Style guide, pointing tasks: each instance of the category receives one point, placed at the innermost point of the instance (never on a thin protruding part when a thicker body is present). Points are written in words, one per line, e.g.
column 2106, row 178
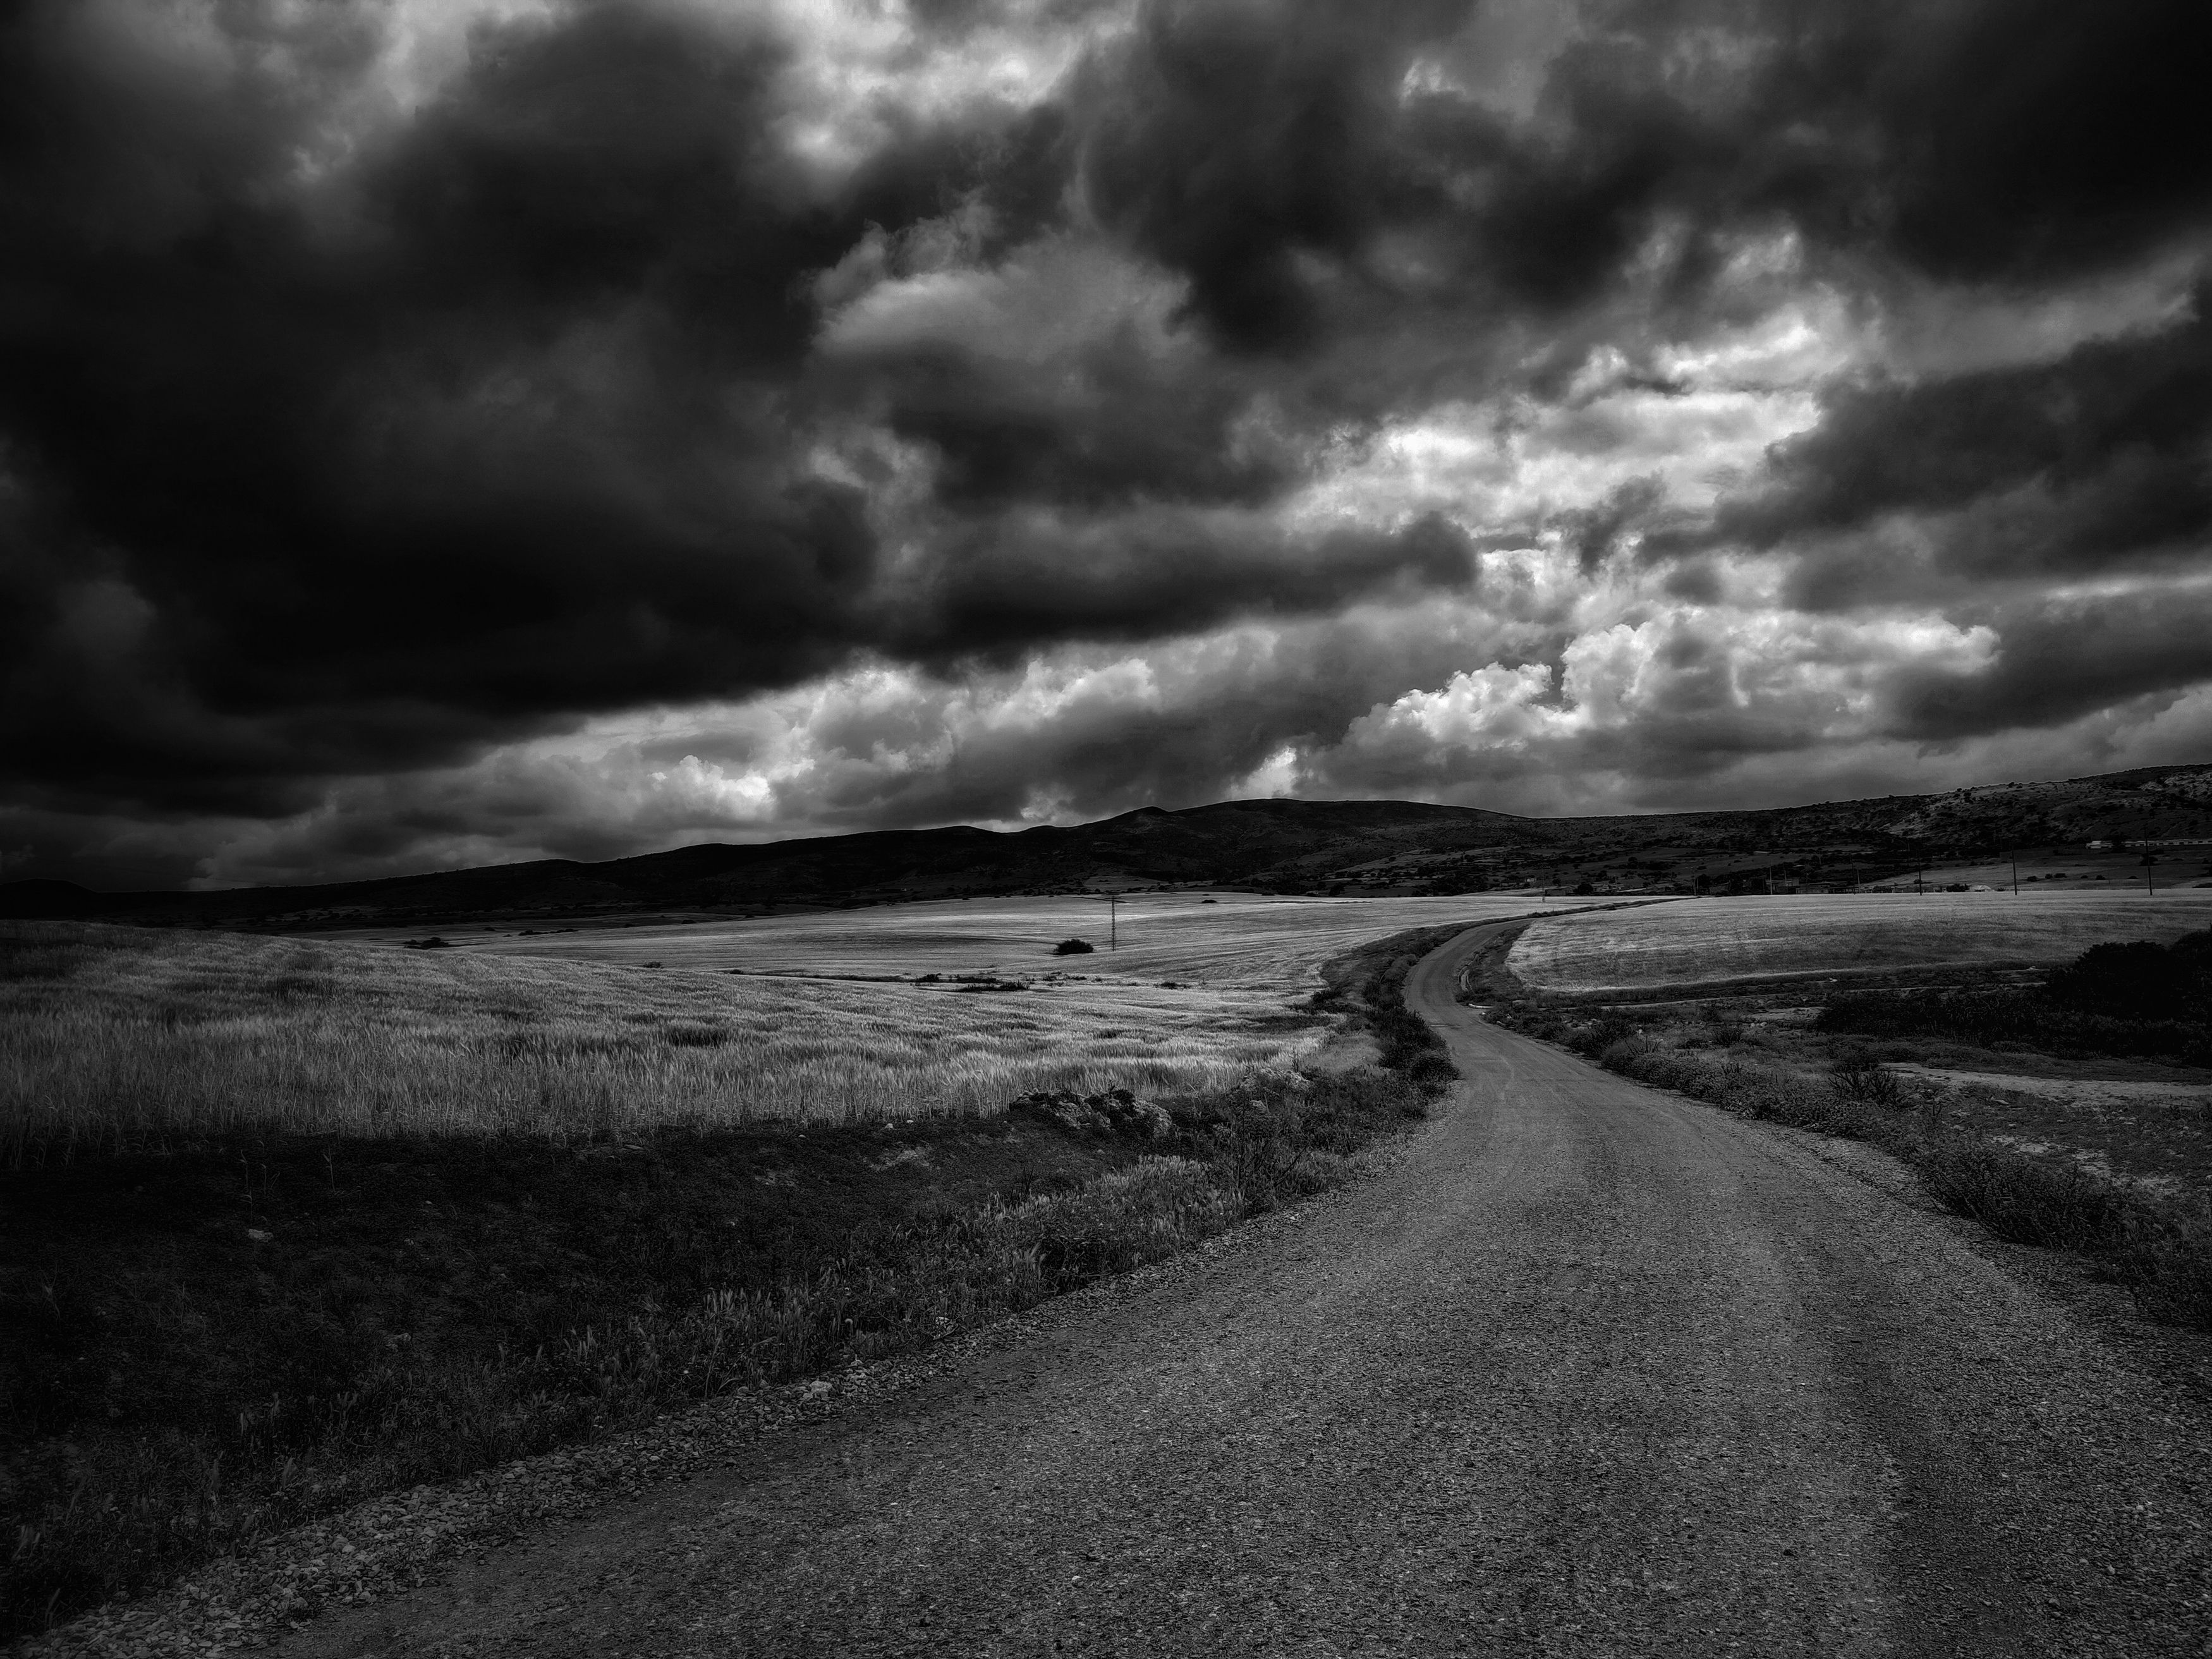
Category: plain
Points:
column 1694, row 942
column 287, row 1223
column 112, row 1034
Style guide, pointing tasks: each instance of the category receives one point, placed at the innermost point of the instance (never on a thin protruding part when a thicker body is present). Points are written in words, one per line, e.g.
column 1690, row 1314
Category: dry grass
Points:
column 108, row 1034
column 1241, row 941
column 210, row 1338
column 1700, row 941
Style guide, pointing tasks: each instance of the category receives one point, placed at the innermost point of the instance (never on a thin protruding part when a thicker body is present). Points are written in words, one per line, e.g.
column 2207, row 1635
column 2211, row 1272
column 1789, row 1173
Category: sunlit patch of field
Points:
column 1705, row 940
column 108, row 1032
column 1241, row 941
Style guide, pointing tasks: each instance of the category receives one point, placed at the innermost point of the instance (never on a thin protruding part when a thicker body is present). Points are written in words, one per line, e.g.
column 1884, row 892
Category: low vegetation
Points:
column 2134, row 999
column 215, row 1328
column 114, row 1035
column 1229, row 943
column 1709, row 941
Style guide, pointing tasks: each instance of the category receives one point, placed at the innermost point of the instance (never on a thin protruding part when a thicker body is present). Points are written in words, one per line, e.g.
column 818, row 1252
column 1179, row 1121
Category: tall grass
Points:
column 292, row 1387
column 110, row 1034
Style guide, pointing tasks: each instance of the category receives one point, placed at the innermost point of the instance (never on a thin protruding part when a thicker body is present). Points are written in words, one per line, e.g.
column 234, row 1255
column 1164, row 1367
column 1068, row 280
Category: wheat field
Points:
column 1242, row 941
column 1691, row 941
column 113, row 1033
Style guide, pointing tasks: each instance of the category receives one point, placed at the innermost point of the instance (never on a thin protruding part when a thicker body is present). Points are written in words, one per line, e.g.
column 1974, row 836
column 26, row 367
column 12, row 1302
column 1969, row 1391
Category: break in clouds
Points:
column 435, row 433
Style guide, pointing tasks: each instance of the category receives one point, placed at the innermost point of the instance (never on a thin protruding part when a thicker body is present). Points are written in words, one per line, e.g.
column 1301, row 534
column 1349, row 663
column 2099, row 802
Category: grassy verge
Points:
column 2160, row 1247
column 208, row 1339
column 1364, row 990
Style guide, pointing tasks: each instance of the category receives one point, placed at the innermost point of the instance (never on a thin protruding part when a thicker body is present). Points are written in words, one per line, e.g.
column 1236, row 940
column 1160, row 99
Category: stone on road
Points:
column 1588, row 1369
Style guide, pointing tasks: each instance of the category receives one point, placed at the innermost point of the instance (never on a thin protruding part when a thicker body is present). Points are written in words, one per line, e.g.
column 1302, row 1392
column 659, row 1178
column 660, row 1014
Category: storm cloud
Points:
column 435, row 433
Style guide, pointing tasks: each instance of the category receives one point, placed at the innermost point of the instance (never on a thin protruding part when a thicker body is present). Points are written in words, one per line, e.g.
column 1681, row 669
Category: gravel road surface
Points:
column 1590, row 1368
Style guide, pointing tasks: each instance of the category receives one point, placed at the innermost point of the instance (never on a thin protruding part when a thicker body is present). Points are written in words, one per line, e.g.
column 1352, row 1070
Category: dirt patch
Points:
column 2155, row 1135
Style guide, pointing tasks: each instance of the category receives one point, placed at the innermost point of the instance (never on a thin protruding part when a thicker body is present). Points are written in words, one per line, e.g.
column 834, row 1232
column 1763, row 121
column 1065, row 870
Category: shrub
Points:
column 2165, row 1257
column 2022, row 1199
column 1074, row 947
column 1984, row 1019
column 1623, row 1052
column 2138, row 981
column 1721, row 1030
column 2133, row 999
column 1859, row 1078
column 1601, row 1034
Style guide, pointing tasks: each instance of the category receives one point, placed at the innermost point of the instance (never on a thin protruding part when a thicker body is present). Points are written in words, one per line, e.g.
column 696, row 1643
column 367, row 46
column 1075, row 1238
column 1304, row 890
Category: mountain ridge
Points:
column 1272, row 844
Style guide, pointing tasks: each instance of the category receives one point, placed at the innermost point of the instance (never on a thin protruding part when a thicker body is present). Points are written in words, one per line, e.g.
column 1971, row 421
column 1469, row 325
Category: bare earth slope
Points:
column 1592, row 1370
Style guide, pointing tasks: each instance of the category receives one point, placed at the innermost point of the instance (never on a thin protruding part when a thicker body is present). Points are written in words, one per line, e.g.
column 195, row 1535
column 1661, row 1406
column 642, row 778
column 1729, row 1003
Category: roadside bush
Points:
column 1619, row 1055
column 2166, row 1259
column 1598, row 1035
column 2024, row 1200
column 1860, row 1078
column 1367, row 988
column 2136, row 982
column 1074, row 947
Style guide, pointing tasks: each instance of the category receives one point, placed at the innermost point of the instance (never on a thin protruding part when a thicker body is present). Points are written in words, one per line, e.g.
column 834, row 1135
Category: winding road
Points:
column 1588, row 1369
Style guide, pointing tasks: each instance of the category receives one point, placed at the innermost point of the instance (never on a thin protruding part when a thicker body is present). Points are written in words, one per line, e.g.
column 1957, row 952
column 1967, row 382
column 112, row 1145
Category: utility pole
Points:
column 1113, row 916
column 2014, row 854
column 2150, row 880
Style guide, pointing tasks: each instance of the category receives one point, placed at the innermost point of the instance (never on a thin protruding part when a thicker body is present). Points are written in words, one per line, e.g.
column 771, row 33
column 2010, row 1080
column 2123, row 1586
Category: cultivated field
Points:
column 1695, row 941
column 107, row 1032
column 1241, row 941
column 112, row 1033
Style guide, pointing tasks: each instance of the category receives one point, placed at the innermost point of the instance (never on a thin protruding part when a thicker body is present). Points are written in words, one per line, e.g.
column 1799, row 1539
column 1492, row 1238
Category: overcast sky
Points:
column 436, row 433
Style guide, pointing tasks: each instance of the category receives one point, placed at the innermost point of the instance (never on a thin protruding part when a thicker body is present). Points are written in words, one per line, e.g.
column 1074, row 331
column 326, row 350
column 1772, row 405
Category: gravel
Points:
column 1585, row 1368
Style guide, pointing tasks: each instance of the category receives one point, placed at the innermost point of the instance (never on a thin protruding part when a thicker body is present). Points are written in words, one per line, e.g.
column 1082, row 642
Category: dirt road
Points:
column 1593, row 1369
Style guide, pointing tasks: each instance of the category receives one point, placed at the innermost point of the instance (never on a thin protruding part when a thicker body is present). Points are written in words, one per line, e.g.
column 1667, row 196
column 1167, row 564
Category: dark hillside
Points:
column 1293, row 846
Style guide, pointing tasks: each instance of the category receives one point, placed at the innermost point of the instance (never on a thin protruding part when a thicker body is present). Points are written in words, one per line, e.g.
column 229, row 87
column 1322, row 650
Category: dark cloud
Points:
column 2037, row 137
column 1106, row 426
column 1596, row 532
column 2097, row 461
column 2004, row 142
column 2061, row 658
column 491, row 435
column 1150, row 574
column 1274, row 154
column 342, row 436
column 1229, row 141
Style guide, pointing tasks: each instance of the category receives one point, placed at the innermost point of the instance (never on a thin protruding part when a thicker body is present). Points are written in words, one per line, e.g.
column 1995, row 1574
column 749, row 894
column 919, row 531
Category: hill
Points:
column 1282, row 846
